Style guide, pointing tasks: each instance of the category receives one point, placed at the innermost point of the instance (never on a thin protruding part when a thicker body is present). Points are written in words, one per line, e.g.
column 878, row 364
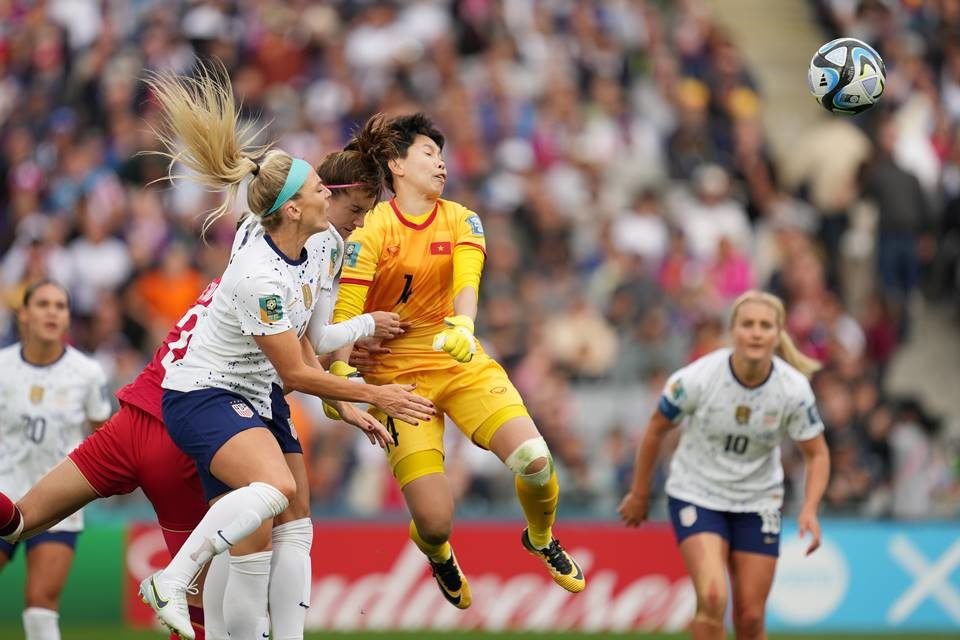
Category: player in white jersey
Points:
column 354, row 179
column 223, row 402
column 50, row 395
column 725, row 486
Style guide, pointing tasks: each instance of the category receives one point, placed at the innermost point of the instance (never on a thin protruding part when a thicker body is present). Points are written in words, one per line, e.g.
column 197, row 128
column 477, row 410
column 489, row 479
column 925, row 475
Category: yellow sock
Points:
column 436, row 552
column 539, row 507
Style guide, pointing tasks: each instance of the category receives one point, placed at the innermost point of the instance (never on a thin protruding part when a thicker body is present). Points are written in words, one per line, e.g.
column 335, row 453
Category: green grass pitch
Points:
column 119, row 633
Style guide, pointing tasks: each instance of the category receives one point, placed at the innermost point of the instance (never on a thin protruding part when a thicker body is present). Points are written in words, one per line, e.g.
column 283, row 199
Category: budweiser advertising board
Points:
column 370, row 576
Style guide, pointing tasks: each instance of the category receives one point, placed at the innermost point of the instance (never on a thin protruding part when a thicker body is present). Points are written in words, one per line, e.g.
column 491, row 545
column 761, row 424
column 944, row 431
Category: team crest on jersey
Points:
column 742, row 414
column 476, row 227
column 242, row 409
column 676, row 391
column 351, row 251
column 271, row 308
column 333, row 260
column 688, row 515
column 36, row 394
column 770, row 417
column 307, row 295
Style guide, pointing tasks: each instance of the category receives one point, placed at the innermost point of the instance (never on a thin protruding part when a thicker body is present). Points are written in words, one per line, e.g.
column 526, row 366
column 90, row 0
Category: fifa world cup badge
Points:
column 351, row 251
column 36, row 394
column 307, row 295
column 676, row 390
column 271, row 309
column 742, row 414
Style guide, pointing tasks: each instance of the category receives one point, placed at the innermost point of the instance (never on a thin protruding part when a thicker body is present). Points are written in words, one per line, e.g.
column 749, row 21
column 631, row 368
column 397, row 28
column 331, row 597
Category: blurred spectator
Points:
column 711, row 214
column 166, row 291
column 903, row 221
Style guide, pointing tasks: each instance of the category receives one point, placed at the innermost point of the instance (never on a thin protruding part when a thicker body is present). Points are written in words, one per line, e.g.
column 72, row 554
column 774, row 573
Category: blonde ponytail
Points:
column 201, row 130
column 796, row 358
column 788, row 349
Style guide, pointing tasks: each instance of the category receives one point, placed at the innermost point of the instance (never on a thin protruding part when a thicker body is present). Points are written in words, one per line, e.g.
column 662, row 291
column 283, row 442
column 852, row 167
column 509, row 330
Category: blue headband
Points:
column 299, row 170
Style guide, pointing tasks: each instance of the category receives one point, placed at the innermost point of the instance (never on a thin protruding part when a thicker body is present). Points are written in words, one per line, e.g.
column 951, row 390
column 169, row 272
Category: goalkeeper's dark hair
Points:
column 359, row 161
column 396, row 137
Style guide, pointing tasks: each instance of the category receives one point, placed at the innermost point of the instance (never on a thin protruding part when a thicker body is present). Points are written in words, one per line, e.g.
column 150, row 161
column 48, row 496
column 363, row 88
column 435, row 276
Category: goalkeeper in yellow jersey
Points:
column 421, row 257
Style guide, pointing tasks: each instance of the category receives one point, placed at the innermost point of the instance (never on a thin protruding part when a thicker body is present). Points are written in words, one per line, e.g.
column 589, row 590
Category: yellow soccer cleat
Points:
column 453, row 584
column 562, row 567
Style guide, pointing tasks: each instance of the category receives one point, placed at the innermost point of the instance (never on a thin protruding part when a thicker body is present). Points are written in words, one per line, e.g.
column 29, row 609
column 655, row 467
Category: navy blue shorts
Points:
column 200, row 422
column 68, row 538
column 747, row 531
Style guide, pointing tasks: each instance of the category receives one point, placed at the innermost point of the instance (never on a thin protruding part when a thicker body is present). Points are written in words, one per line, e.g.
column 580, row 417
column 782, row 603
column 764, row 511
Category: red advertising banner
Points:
column 370, row 576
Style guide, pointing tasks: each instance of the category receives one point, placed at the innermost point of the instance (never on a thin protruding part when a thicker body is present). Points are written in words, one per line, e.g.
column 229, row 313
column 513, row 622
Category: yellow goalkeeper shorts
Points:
column 477, row 395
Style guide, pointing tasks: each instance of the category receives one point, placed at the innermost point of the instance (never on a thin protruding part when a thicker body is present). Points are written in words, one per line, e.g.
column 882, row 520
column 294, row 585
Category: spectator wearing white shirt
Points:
column 642, row 230
column 712, row 214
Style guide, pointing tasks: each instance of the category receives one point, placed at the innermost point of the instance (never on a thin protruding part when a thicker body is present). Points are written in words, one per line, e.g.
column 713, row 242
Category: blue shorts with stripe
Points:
column 68, row 538
column 747, row 531
column 202, row 421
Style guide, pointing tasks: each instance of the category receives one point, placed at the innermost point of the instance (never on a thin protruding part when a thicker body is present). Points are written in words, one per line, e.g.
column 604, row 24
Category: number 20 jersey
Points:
column 728, row 458
column 43, row 415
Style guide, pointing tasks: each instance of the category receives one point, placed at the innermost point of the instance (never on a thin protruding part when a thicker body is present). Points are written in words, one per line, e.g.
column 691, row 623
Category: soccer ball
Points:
column 846, row 76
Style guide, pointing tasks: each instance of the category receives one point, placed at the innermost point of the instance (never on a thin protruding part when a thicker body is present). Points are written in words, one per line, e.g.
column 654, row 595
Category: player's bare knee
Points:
column 712, row 601
column 299, row 508
column 435, row 530
column 748, row 623
column 43, row 596
column 532, row 462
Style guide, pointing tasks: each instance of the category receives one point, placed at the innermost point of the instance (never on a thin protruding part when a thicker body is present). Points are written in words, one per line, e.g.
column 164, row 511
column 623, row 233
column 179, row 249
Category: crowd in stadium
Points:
column 616, row 154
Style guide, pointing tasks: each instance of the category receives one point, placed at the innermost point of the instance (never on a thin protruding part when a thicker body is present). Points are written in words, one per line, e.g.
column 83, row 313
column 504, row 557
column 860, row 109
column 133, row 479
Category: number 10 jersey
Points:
column 728, row 458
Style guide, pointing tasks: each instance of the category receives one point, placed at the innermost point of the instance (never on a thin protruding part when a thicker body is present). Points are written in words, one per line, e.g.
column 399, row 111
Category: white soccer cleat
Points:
column 169, row 601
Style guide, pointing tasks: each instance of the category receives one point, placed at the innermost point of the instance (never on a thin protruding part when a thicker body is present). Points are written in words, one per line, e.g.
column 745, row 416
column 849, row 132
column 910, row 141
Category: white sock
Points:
column 231, row 519
column 41, row 624
column 214, row 627
column 290, row 578
column 245, row 599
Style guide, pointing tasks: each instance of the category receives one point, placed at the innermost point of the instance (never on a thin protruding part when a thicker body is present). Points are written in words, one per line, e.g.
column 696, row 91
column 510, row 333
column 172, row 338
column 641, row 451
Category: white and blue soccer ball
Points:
column 846, row 76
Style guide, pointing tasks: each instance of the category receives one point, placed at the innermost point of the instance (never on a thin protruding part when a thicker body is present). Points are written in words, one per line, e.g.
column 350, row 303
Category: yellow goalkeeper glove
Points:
column 344, row 370
column 457, row 340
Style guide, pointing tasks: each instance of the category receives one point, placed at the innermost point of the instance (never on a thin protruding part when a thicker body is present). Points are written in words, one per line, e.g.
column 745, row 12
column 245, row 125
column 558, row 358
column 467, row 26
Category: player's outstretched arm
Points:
column 329, row 338
column 816, row 458
column 59, row 493
column 284, row 352
column 635, row 505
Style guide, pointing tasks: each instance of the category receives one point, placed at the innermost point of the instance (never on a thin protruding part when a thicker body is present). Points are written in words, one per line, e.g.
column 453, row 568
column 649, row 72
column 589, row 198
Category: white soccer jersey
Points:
column 43, row 415
column 328, row 243
column 728, row 458
column 324, row 336
column 262, row 292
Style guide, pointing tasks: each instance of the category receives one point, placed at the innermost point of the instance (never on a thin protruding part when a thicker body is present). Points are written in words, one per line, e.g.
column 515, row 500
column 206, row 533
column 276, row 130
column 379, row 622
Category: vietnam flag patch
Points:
column 439, row 248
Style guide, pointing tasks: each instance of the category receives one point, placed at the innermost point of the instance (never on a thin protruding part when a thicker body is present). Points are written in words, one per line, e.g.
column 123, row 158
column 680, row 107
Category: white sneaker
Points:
column 170, row 604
